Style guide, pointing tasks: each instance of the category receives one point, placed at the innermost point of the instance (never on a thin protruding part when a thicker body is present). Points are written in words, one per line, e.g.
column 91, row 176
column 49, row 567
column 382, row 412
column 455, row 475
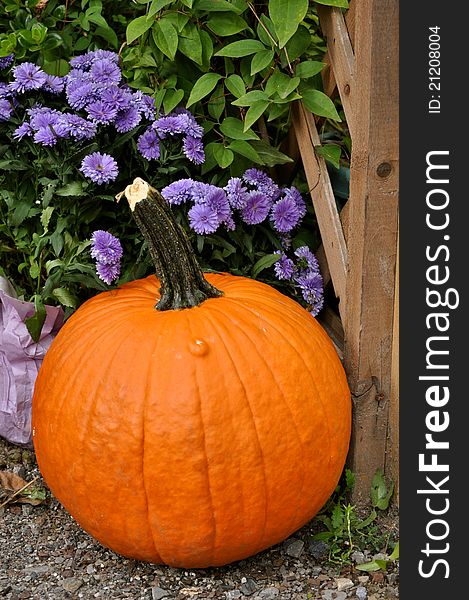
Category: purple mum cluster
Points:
column 96, row 97
column 254, row 196
column 106, row 249
column 304, row 273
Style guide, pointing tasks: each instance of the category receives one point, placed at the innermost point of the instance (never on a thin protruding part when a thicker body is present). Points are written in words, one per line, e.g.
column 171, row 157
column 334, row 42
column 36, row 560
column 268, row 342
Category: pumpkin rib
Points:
column 282, row 395
column 248, row 404
column 288, row 341
column 207, row 463
column 144, row 412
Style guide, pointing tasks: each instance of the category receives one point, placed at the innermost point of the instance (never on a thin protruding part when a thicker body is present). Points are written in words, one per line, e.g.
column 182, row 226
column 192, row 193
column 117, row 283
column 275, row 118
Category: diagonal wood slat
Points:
column 341, row 57
column 323, row 197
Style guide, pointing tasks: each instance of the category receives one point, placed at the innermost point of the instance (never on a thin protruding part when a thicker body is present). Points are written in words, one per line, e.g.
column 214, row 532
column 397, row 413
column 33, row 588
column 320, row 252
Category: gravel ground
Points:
column 45, row 555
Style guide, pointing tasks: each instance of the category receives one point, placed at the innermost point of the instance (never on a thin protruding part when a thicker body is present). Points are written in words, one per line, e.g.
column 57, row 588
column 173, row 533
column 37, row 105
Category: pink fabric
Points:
column 20, row 359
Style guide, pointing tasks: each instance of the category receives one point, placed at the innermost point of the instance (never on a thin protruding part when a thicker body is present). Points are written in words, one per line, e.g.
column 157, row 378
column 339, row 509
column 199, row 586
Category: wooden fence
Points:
column 359, row 251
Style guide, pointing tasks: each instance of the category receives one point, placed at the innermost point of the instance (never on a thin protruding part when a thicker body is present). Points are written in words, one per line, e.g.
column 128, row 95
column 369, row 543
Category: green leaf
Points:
column 319, row 104
column 156, row 6
column 74, row 188
column 266, row 31
column 241, row 48
column 337, row 517
column 379, row 493
column 261, row 60
column 270, row 155
column 171, row 99
column 45, row 217
column 166, row 37
column 65, row 297
column 234, row 128
column 338, row 3
column 298, row 44
column 223, row 156
column 286, row 16
column 331, row 153
column 395, row 553
column 219, row 6
column 254, row 112
column 137, row 28
column 264, row 263
column 369, row 567
column 207, row 47
column 34, row 324
column 245, row 149
column 289, row 87
column 202, row 87
column 224, row 24
column 308, row 68
column 251, row 98
column 216, row 104
column 235, row 85
column 190, row 44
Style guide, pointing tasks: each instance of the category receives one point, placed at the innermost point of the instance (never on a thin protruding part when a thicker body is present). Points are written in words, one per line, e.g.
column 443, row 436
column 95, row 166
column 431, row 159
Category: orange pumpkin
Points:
column 192, row 437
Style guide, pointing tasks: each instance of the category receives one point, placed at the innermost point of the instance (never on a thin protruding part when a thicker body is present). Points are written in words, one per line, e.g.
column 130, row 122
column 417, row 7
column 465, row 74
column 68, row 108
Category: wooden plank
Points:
column 392, row 451
column 341, row 57
column 321, row 255
column 372, row 235
column 322, row 196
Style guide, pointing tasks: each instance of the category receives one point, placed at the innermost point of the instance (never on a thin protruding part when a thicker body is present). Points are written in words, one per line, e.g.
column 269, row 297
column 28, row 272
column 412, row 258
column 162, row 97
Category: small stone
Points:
column 379, row 556
column 315, row 571
column 377, row 577
column 363, row 578
column 90, row 570
column 392, row 578
column 361, row 592
column 36, row 569
column 358, row 557
column 158, row 593
column 71, row 584
column 268, row 593
column 248, row 587
column 295, row 548
column 233, row 595
column 317, row 548
column 333, row 595
column 343, row 583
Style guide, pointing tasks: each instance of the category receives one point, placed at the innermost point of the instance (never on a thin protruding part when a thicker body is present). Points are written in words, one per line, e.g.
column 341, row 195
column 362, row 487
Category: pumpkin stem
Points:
column 182, row 281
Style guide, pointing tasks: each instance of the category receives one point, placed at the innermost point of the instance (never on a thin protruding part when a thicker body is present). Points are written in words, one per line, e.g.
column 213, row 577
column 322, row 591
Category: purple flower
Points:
column 203, row 219
column 149, row 145
column 307, row 260
column 311, row 286
column 79, row 94
column 293, row 194
column 105, row 247
column 285, row 214
column 216, row 199
column 108, row 273
column 200, row 190
column 236, row 192
column 145, row 104
column 104, row 71
column 27, row 76
column 115, row 97
column 6, row 61
column 79, row 128
column 82, row 62
column 101, row 112
column 42, row 117
column 5, row 91
column 6, row 109
column 22, row 131
column 178, row 191
column 104, row 55
column 170, row 125
column 193, row 148
column 54, row 84
column 262, row 182
column 284, row 267
column 127, row 119
column 45, row 136
column 189, row 124
column 100, row 168
column 256, row 209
